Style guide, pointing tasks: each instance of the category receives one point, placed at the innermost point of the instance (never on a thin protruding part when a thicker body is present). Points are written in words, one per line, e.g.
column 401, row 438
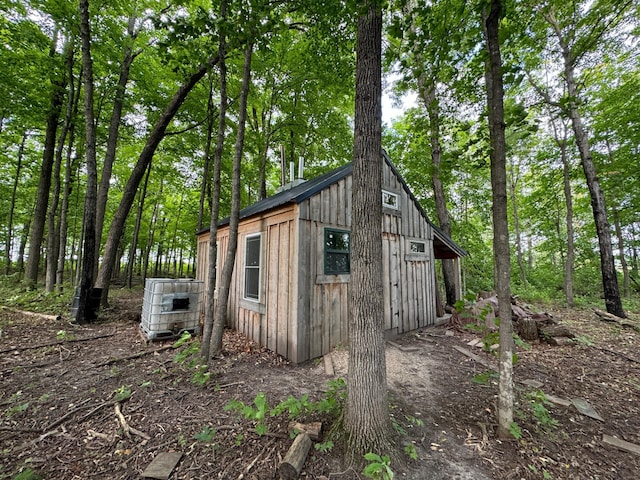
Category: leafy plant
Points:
column 206, row 435
column 411, row 451
column 515, row 430
column 62, row 335
column 122, row 393
column 293, row 406
column 324, row 447
column 485, row 378
column 201, row 375
column 28, row 474
column 11, row 411
column 257, row 413
column 538, row 402
column 379, row 467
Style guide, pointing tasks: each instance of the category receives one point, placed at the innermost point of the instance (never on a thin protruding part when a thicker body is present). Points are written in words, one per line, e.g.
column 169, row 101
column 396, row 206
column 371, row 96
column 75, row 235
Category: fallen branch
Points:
column 44, row 316
column 134, row 356
column 619, row 354
column 293, row 461
column 128, row 429
column 58, row 342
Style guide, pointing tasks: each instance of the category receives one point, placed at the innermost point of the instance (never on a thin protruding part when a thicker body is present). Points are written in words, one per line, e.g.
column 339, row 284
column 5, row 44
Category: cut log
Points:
column 293, row 461
column 528, row 329
column 312, row 429
column 556, row 331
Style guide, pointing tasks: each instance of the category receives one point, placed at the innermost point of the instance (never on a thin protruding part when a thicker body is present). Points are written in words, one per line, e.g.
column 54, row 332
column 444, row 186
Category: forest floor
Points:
column 60, row 385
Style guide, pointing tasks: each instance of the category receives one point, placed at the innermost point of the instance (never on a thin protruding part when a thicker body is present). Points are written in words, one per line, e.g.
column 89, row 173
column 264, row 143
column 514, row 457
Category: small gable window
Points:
column 417, row 247
column 336, row 252
column 390, row 200
column 252, row 267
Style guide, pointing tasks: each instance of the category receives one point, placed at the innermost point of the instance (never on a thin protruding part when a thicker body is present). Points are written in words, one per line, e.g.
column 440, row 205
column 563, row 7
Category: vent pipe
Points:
column 301, row 168
column 292, row 172
column 283, row 175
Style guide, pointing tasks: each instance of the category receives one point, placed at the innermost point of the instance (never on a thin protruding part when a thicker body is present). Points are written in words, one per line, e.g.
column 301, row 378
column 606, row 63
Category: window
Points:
column 252, row 267
column 336, row 252
column 390, row 200
column 417, row 247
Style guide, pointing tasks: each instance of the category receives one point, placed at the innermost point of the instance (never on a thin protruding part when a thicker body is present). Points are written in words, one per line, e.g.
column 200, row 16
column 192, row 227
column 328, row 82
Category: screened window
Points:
column 252, row 267
column 390, row 200
column 417, row 247
column 336, row 252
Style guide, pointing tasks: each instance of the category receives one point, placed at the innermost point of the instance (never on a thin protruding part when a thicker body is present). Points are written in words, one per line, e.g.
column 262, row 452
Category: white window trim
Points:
column 397, row 197
column 244, row 270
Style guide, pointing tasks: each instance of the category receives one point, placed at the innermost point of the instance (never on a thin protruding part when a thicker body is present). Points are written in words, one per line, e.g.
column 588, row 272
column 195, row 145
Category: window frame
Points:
column 388, row 205
column 247, row 239
column 326, row 250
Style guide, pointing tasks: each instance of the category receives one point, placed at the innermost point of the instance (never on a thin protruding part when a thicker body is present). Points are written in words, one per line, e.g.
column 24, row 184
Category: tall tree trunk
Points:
column 495, row 95
column 568, row 198
column 430, row 99
column 114, row 129
column 212, row 268
column 89, row 246
column 227, row 269
column 69, row 169
column 136, row 230
column 128, row 196
column 14, row 190
column 607, row 262
column 23, row 245
column 626, row 285
column 366, row 418
column 53, row 227
column 513, row 183
column 205, row 186
column 44, row 183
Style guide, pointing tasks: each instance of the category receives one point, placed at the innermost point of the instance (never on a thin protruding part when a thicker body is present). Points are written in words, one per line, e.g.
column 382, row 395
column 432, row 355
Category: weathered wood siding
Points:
column 272, row 320
column 303, row 313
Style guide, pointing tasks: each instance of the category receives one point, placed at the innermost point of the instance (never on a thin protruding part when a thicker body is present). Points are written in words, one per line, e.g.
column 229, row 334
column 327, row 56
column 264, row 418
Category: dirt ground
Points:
column 59, row 387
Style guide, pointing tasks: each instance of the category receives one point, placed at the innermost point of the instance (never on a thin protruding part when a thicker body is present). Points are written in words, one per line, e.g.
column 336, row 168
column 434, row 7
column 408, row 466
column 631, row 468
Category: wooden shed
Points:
column 290, row 284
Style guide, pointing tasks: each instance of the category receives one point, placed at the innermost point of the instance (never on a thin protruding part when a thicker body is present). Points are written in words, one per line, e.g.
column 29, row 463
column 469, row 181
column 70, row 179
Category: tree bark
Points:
column 626, row 284
column 495, row 95
column 114, row 129
column 212, row 271
column 566, row 176
column 432, row 105
column 513, row 183
column 205, row 186
column 44, row 183
column 128, row 196
column 14, row 190
column 89, row 245
column 53, row 227
column 227, row 270
column 366, row 418
column 607, row 262
column 69, row 169
column 136, row 230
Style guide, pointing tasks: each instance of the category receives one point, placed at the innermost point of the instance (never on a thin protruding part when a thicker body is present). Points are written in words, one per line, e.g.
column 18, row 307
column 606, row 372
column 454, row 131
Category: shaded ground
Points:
column 58, row 387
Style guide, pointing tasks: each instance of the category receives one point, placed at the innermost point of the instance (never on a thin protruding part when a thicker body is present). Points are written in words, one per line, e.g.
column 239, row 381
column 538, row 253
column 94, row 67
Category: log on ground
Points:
column 293, row 461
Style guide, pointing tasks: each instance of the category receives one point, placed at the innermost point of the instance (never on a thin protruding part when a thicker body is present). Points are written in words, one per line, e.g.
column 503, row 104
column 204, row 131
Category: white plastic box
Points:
column 171, row 307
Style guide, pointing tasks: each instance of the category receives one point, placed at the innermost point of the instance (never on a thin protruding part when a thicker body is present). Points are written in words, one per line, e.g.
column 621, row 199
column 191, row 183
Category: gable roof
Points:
column 443, row 245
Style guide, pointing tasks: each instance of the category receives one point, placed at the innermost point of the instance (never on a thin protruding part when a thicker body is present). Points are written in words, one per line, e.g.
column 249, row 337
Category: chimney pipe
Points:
column 301, row 168
column 283, row 176
column 292, row 171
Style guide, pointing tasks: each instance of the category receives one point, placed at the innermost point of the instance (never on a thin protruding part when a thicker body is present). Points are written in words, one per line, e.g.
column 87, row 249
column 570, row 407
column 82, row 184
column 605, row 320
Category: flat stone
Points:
column 586, row 409
column 557, row 400
column 532, row 383
column 162, row 466
column 449, row 333
column 476, row 342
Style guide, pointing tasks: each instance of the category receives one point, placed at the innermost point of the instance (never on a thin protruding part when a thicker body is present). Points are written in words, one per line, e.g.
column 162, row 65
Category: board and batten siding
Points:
column 272, row 320
column 303, row 313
